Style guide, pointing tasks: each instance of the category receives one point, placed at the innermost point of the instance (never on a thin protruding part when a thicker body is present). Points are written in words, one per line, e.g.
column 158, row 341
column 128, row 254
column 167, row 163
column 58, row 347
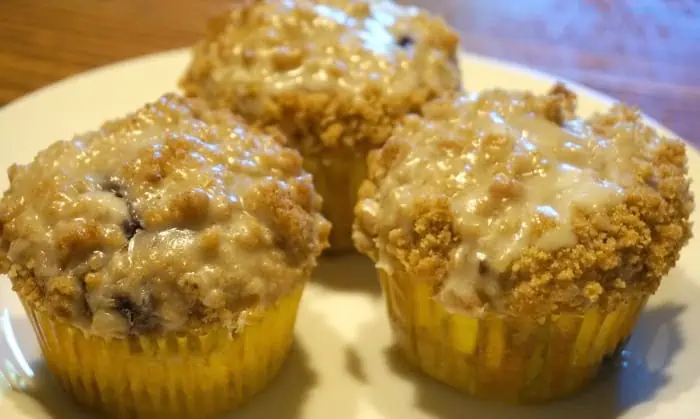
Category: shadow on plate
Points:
column 286, row 394
column 647, row 369
column 351, row 272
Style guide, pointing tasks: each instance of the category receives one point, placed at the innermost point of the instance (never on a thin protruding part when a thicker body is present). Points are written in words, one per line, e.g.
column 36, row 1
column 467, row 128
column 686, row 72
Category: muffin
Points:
column 516, row 243
column 161, row 258
column 333, row 75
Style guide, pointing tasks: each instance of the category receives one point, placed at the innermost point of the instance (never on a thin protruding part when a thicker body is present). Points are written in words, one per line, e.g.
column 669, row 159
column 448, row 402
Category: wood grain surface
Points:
column 644, row 52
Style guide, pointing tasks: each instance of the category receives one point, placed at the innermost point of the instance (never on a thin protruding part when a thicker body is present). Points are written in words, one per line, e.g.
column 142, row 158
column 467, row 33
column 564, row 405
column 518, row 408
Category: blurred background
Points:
column 645, row 52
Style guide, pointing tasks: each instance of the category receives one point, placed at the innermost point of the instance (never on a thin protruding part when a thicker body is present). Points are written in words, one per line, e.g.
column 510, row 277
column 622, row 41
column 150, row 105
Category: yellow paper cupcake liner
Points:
column 501, row 358
column 337, row 178
column 173, row 375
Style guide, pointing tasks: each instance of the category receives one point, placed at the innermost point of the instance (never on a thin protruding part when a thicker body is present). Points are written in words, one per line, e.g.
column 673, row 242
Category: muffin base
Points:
column 504, row 358
column 337, row 178
column 172, row 375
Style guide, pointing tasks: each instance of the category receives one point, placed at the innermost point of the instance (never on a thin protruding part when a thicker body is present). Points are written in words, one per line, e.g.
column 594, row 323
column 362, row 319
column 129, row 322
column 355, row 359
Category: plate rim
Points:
column 601, row 99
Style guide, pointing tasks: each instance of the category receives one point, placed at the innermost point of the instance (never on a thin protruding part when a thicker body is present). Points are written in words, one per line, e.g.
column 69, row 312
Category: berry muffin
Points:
column 161, row 258
column 516, row 243
column 333, row 75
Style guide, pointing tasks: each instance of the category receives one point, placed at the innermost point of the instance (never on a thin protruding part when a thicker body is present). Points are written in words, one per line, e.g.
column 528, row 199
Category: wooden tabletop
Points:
column 644, row 52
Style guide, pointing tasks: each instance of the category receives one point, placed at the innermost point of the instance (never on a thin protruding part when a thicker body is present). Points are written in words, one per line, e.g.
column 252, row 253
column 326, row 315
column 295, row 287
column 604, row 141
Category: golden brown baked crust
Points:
column 330, row 73
column 622, row 246
column 169, row 219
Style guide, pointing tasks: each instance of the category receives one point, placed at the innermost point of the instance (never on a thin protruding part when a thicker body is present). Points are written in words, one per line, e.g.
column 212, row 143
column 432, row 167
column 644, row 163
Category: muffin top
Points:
column 505, row 201
column 170, row 219
column 324, row 66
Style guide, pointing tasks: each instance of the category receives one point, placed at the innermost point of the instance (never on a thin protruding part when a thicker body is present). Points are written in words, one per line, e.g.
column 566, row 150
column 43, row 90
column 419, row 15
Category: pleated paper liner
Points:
column 337, row 178
column 507, row 359
column 173, row 375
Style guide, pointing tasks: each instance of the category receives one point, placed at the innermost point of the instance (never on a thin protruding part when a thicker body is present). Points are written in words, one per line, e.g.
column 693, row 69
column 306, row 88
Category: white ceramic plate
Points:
column 342, row 367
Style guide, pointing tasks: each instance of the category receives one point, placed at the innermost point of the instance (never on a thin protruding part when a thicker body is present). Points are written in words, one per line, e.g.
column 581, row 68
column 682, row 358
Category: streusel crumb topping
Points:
column 506, row 201
column 168, row 219
column 330, row 73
